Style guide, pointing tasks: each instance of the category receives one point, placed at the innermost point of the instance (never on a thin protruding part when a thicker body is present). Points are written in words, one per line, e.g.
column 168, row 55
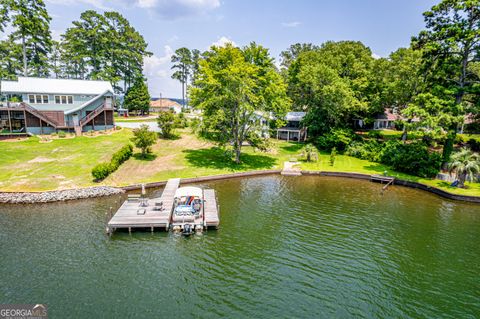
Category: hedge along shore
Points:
column 81, row 193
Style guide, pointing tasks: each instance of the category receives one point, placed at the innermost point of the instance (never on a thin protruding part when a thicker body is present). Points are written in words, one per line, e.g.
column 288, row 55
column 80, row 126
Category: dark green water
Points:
column 306, row 247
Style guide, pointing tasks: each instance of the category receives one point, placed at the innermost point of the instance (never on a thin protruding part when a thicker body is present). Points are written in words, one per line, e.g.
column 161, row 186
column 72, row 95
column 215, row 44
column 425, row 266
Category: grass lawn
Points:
column 29, row 165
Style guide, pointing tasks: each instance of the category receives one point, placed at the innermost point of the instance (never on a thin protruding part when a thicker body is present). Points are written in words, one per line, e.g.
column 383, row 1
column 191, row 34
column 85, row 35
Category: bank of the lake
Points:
column 287, row 247
column 30, row 165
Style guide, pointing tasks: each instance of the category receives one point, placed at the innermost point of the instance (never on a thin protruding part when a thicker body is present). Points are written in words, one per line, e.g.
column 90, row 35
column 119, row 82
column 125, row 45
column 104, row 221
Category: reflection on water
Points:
column 287, row 247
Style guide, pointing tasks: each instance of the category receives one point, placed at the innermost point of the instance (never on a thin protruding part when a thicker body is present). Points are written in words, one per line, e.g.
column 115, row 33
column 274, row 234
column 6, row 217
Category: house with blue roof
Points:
column 50, row 105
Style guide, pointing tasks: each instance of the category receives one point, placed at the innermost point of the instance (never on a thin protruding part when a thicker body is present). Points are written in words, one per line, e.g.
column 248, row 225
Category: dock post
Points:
column 130, row 230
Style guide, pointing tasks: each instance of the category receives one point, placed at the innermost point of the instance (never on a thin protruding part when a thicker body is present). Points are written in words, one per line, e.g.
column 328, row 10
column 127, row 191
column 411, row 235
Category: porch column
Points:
column 288, row 136
column 41, row 127
column 9, row 120
column 25, row 120
column 277, row 134
column 105, row 119
column 305, row 138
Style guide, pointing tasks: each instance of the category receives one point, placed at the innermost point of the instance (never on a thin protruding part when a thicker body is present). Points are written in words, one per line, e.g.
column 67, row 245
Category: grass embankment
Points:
column 33, row 166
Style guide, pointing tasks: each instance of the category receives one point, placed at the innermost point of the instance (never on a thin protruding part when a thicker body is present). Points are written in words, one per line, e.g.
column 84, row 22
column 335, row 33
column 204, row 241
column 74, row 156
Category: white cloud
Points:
column 222, row 41
column 172, row 9
column 292, row 24
column 375, row 56
column 157, row 69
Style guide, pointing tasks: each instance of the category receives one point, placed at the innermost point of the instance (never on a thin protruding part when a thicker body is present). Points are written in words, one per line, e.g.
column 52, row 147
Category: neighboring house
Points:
column 161, row 105
column 50, row 105
column 381, row 121
column 294, row 130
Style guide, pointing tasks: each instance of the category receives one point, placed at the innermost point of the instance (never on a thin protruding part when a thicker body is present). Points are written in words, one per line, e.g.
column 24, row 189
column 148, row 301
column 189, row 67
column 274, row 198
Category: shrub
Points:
column 62, row 134
column 474, row 144
column 411, row 158
column 367, row 150
column 333, row 156
column 166, row 123
column 338, row 138
column 143, row 138
column 375, row 134
column 121, row 156
column 101, row 171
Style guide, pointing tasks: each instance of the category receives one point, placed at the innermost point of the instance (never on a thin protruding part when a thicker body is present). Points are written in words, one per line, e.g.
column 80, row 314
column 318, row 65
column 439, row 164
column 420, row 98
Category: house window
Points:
column 63, row 99
column 38, row 99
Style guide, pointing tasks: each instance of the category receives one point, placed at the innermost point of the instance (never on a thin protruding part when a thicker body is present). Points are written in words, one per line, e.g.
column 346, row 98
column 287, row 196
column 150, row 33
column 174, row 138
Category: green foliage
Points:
column 474, row 144
column 367, row 150
column 181, row 121
column 311, row 154
column 465, row 164
column 232, row 86
column 334, row 84
column 338, row 138
column 102, row 170
column 121, row 156
column 104, row 47
column 143, row 139
column 137, row 97
column 413, row 158
column 333, row 156
column 166, row 122
column 62, row 134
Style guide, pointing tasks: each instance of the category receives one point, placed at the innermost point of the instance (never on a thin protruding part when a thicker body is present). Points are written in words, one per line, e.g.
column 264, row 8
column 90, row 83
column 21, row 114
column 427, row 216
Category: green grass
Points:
column 29, row 165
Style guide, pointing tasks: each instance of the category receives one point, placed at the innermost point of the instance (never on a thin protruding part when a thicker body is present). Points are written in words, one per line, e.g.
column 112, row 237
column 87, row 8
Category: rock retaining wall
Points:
column 56, row 196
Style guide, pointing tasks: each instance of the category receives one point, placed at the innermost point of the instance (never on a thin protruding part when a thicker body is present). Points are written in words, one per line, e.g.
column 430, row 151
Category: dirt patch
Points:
column 41, row 159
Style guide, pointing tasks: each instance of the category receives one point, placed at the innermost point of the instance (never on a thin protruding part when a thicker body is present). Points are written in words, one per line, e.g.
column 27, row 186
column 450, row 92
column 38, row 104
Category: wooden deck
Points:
column 146, row 213
column 211, row 211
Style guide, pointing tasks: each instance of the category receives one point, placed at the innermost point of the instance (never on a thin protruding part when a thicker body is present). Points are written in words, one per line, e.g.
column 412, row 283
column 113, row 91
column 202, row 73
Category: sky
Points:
column 166, row 25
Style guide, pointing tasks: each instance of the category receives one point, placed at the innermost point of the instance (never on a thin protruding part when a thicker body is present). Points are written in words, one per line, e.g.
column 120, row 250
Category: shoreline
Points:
column 102, row 191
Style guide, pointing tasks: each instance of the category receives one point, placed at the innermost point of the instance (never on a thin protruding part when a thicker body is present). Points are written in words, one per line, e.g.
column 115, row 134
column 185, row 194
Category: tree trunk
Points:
column 24, row 52
column 404, row 135
column 238, row 148
column 461, row 179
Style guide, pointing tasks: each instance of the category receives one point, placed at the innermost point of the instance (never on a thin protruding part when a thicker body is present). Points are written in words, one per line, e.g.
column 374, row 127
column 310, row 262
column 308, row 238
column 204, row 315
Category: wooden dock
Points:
column 146, row 213
column 210, row 208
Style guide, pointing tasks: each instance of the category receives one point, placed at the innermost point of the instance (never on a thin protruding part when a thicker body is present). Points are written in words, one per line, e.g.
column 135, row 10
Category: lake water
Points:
column 309, row 247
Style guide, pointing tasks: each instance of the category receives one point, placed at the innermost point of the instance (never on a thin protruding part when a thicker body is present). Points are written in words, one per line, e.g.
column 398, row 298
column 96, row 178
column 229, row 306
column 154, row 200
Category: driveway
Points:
column 152, row 125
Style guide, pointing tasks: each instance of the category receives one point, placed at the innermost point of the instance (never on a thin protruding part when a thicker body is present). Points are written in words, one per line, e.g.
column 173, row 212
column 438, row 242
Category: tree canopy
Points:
column 234, row 88
column 137, row 97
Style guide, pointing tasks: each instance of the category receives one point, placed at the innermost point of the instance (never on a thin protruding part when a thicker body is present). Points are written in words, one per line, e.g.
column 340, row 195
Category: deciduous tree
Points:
column 234, row 87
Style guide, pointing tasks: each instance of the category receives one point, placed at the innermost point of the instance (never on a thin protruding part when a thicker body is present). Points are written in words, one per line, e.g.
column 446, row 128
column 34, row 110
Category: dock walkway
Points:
column 146, row 213
column 211, row 211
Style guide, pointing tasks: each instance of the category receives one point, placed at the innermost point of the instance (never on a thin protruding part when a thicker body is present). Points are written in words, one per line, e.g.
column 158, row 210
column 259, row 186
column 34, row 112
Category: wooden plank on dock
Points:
column 147, row 212
column 212, row 218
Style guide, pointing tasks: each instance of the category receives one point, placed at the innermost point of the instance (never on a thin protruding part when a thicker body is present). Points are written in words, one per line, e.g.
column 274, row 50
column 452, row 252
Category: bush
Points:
column 62, row 134
column 101, row 171
column 474, row 144
column 367, row 150
column 121, row 156
column 338, row 138
column 414, row 158
column 333, row 156
column 143, row 138
column 375, row 134
column 166, row 122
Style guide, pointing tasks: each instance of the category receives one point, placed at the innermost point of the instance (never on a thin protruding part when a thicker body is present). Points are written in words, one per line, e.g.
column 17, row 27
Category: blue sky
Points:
column 383, row 25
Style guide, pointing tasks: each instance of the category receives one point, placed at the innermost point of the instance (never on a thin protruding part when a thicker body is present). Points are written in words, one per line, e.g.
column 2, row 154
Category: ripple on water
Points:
column 287, row 247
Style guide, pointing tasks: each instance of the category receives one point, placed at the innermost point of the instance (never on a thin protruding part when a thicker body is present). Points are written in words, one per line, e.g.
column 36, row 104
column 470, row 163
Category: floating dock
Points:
column 139, row 212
